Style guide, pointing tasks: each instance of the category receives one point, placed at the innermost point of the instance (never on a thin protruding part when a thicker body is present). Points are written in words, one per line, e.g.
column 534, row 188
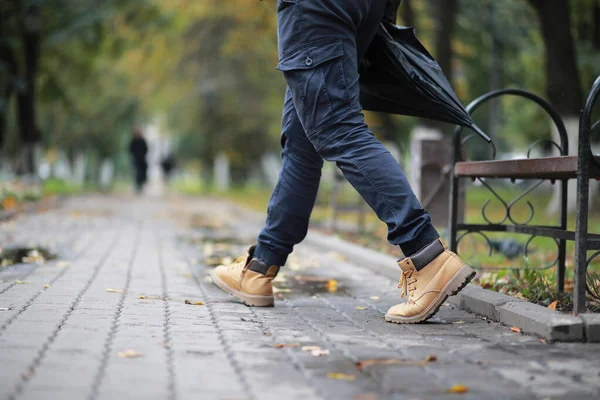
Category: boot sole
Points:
column 248, row 299
column 454, row 285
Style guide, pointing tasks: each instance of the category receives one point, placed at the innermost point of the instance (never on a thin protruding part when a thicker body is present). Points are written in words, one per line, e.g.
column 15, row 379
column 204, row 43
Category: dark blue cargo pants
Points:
column 320, row 43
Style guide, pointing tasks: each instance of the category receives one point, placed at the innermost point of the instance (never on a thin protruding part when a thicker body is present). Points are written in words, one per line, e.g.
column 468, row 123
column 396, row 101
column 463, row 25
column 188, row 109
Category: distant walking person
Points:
column 138, row 149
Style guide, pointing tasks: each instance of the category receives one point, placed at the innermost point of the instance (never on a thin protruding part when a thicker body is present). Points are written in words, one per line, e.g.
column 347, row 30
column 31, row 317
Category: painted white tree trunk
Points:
column 222, row 176
column 79, row 169
column 572, row 125
column 107, row 174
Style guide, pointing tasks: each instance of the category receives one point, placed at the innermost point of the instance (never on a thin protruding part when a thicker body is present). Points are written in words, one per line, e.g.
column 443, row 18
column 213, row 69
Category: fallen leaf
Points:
column 543, row 341
column 18, row 282
column 458, row 389
column 515, row 329
column 46, row 285
column 187, row 275
column 129, row 354
column 458, row 322
column 141, row 297
column 331, row 286
column 553, row 305
column 310, row 348
column 282, row 345
column 109, row 290
column 63, row 264
column 340, row 376
column 319, row 352
column 374, row 297
column 395, row 361
column 360, row 308
column 267, row 334
column 194, row 303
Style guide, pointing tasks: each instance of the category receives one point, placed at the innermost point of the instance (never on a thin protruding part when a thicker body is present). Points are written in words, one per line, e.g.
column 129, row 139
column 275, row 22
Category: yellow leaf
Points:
column 340, row 376
column 374, row 297
column 458, row 389
column 194, row 303
column 553, row 305
column 515, row 329
column 18, row 282
column 129, row 354
column 141, row 297
column 46, row 285
column 109, row 290
column 282, row 345
column 360, row 308
column 458, row 322
column 331, row 286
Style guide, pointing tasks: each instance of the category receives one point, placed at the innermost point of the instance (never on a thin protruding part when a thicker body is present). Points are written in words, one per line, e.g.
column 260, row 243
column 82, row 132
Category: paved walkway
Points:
column 108, row 319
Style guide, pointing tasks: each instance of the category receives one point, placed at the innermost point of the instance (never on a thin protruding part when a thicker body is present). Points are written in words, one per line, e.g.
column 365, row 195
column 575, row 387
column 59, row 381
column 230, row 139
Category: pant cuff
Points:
column 266, row 255
column 427, row 235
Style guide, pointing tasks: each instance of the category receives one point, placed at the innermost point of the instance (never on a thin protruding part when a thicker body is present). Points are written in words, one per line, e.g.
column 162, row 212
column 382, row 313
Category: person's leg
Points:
column 292, row 201
column 318, row 55
column 294, row 195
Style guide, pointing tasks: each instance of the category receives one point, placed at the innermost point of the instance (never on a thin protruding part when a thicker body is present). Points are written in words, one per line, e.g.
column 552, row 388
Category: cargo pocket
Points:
column 314, row 74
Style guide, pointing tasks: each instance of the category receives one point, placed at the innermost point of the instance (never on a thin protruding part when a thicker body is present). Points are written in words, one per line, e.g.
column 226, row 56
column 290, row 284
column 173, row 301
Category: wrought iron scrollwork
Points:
column 526, row 253
column 517, row 199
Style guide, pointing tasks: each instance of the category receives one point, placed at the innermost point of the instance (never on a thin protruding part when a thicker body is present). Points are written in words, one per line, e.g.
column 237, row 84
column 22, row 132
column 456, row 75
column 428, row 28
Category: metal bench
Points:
column 584, row 166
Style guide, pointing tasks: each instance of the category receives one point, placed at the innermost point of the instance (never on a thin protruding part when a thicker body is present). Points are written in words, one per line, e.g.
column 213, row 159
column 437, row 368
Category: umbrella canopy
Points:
column 399, row 76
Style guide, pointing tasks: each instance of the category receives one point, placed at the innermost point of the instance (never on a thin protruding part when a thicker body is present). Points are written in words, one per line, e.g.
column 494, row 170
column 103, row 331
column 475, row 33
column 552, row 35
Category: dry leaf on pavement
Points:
column 395, row 361
column 46, row 285
column 310, row 348
column 553, row 305
column 515, row 329
column 18, row 282
column 458, row 322
column 194, row 303
column 340, row 376
column 129, row 354
column 282, row 345
column 319, row 353
column 374, row 297
column 458, row 389
column 331, row 286
column 63, row 264
column 109, row 290
column 360, row 308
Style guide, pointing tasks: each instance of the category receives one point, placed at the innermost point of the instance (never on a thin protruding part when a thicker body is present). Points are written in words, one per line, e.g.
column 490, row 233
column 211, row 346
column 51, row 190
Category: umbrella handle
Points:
column 480, row 133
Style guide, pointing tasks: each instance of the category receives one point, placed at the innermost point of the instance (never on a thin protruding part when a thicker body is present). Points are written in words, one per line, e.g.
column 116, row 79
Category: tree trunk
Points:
column 7, row 77
column 26, row 99
column 563, row 85
column 406, row 13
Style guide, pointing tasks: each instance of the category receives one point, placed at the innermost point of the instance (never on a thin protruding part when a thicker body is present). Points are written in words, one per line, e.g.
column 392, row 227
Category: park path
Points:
column 110, row 319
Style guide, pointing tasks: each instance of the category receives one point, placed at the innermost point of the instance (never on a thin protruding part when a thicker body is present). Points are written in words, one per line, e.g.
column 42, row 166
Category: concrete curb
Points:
column 530, row 318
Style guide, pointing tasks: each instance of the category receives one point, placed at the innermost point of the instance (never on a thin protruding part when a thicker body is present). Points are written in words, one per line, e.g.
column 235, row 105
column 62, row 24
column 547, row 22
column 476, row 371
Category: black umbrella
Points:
column 399, row 76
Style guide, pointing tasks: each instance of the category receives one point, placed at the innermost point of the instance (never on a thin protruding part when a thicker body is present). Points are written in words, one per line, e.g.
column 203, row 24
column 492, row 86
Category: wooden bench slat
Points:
column 561, row 167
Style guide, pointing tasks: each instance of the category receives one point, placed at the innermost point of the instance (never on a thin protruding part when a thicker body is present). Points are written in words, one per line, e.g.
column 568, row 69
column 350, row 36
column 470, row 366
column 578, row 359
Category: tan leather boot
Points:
column 444, row 274
column 247, row 279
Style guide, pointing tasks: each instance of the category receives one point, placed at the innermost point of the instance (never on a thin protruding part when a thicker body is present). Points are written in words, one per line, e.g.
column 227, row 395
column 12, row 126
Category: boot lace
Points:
column 406, row 281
